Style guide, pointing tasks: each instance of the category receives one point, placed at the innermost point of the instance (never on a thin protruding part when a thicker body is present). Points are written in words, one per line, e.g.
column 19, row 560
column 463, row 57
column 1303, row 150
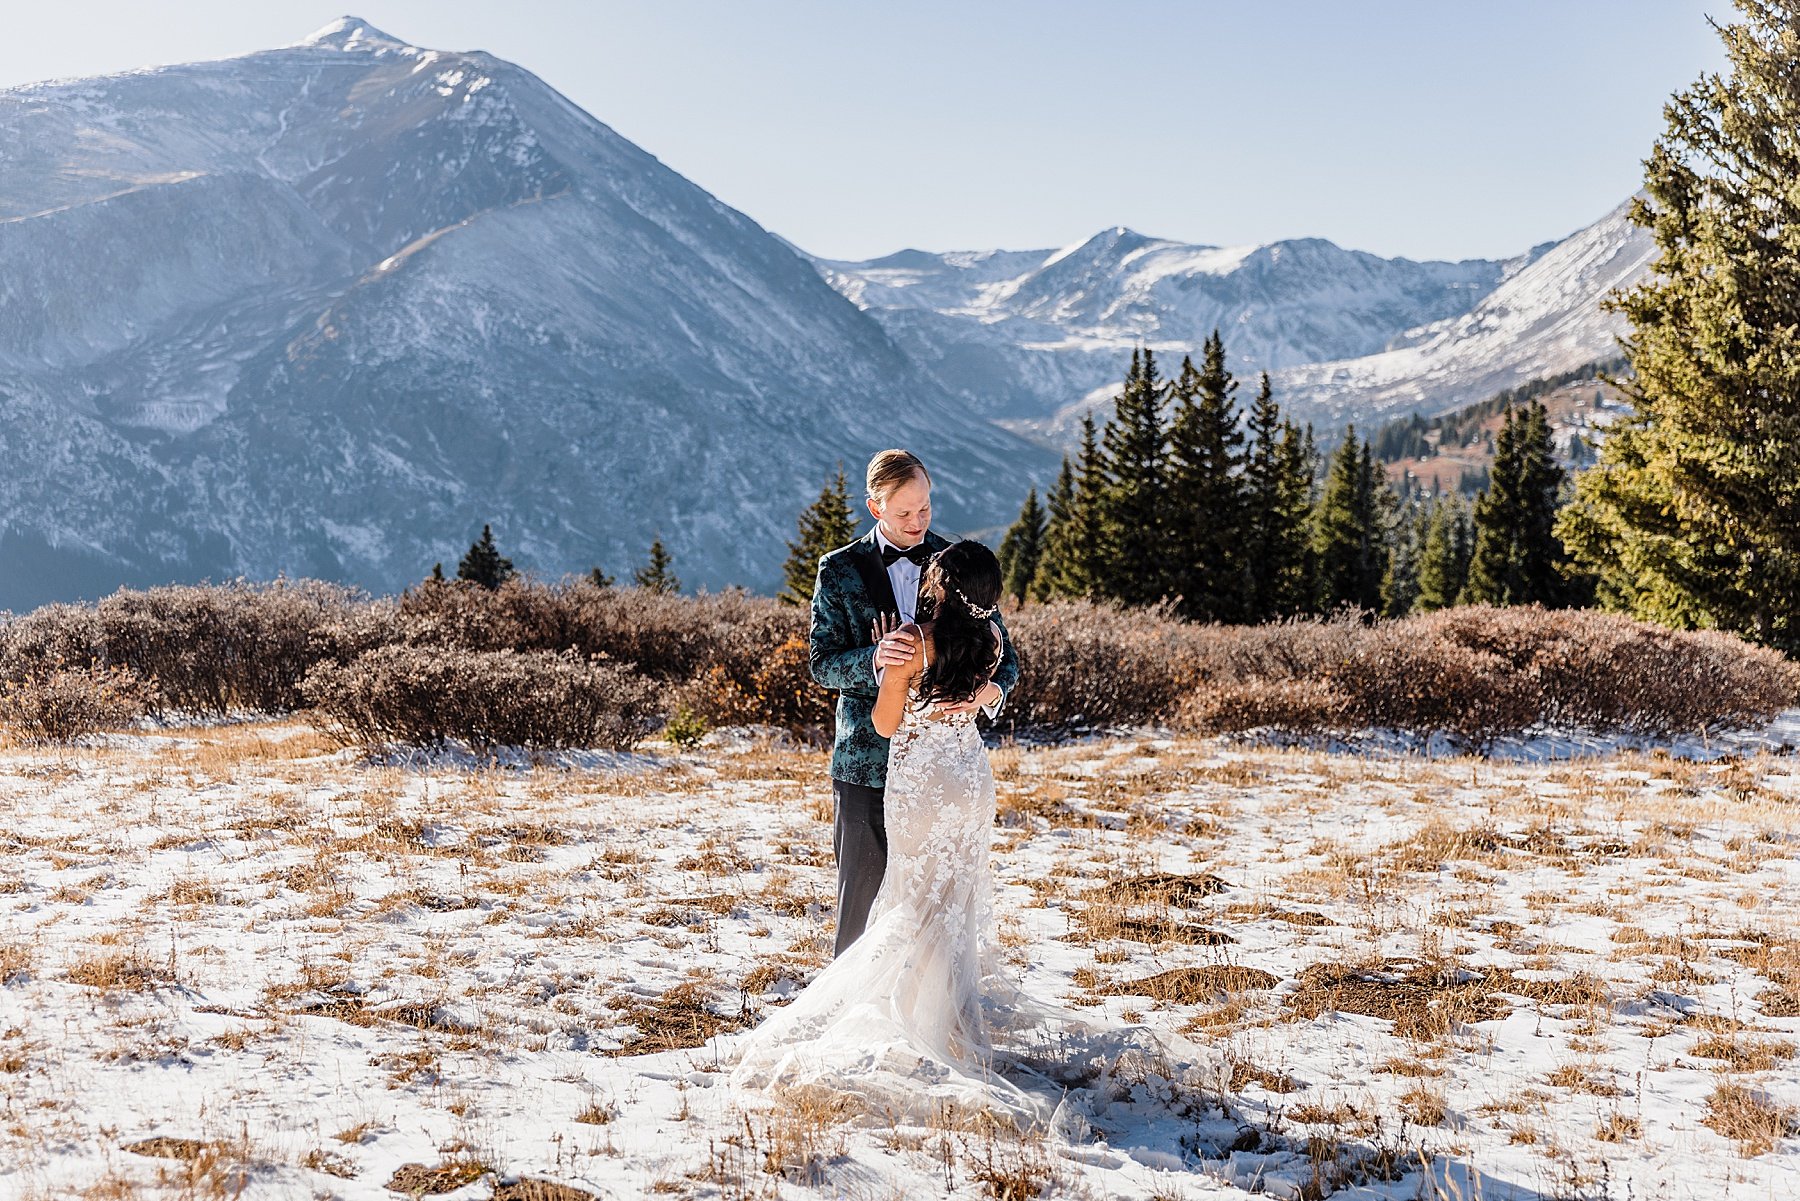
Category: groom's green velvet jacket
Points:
column 851, row 589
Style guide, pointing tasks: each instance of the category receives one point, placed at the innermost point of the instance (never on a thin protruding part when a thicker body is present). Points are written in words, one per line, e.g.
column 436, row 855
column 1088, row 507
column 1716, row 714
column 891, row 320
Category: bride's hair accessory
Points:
column 974, row 609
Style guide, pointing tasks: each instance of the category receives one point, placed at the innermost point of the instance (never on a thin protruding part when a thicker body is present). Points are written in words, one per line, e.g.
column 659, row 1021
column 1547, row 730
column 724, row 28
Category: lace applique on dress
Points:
column 908, row 1015
column 919, row 1012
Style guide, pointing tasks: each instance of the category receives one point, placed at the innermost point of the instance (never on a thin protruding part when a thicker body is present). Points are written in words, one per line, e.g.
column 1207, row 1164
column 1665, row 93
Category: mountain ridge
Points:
column 295, row 340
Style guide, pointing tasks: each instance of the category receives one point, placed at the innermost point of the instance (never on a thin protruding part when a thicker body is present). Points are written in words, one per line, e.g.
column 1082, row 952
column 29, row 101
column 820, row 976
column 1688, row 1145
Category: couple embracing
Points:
column 916, row 1012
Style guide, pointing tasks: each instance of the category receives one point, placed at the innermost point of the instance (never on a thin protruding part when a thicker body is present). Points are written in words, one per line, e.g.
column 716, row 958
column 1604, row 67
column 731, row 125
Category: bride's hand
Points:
column 893, row 646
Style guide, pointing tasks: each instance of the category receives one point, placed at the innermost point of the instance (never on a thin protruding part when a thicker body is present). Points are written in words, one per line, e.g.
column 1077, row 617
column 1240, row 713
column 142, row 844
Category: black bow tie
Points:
column 918, row 555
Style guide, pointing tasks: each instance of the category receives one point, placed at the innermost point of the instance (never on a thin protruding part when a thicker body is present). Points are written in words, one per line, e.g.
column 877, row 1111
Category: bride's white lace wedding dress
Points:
column 919, row 1012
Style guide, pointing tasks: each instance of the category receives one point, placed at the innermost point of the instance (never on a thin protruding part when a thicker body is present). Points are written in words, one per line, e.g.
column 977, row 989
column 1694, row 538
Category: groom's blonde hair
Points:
column 891, row 468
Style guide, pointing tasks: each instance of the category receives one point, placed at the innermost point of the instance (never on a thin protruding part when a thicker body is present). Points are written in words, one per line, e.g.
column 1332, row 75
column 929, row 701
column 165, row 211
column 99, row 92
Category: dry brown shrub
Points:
column 665, row 636
column 63, row 703
column 1083, row 664
column 1290, row 706
column 423, row 694
column 204, row 648
column 1749, row 1117
column 1479, row 672
column 779, row 691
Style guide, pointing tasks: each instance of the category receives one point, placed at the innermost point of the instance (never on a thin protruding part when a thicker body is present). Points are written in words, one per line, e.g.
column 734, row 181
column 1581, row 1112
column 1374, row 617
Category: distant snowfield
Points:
column 298, row 970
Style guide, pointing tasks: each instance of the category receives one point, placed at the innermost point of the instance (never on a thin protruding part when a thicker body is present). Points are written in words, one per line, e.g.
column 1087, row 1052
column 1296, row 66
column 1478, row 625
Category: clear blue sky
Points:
column 1425, row 128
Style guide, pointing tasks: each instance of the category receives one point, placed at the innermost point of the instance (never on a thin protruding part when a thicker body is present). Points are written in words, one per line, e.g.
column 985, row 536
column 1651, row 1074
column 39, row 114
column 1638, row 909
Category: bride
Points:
column 918, row 1013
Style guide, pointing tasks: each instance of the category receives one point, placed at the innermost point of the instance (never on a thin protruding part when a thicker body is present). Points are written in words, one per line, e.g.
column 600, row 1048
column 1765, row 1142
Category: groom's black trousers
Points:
column 859, row 839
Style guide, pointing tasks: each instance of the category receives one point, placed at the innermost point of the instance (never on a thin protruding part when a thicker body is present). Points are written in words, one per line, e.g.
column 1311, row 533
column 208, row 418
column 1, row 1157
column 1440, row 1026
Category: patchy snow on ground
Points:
column 237, row 960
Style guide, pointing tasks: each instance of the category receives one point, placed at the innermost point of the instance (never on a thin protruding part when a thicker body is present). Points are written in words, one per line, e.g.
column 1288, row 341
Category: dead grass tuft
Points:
column 1745, row 1054
column 1749, row 1118
column 1193, row 985
column 167, row 1147
column 540, row 1190
column 682, row 1017
column 417, row 1179
column 1161, row 888
column 1424, row 1001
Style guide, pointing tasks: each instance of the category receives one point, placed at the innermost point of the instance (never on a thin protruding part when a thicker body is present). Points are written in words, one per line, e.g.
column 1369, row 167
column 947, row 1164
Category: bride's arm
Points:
column 890, row 702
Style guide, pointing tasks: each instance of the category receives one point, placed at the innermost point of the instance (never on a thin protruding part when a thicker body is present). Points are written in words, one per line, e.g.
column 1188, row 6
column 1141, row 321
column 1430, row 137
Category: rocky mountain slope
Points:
column 328, row 308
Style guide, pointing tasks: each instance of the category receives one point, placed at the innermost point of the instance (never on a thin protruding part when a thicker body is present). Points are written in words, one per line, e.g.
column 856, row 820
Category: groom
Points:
column 878, row 574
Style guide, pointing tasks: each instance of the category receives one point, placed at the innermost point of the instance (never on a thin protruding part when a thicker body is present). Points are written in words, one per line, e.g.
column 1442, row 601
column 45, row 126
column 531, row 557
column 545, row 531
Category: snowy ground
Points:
column 235, row 961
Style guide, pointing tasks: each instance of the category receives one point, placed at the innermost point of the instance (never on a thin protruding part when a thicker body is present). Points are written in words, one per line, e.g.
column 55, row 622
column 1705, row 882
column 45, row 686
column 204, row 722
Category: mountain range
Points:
column 326, row 309
column 1038, row 338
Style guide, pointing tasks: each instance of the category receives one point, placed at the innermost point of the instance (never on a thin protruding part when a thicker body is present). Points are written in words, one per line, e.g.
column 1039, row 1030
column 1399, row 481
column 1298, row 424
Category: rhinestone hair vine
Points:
column 975, row 610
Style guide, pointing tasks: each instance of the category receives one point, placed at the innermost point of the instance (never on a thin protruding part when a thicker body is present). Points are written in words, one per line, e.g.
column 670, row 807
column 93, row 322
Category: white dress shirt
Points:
column 903, row 574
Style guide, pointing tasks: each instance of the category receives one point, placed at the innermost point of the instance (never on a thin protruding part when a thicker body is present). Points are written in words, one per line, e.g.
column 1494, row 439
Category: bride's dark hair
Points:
column 963, row 645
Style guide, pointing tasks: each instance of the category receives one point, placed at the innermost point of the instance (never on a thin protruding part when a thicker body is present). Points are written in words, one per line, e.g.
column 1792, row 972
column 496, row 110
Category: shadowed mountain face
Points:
column 327, row 309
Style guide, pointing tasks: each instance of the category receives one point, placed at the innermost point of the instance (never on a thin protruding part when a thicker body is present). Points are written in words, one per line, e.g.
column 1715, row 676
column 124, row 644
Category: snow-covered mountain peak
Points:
column 324, row 309
column 353, row 33
column 1108, row 244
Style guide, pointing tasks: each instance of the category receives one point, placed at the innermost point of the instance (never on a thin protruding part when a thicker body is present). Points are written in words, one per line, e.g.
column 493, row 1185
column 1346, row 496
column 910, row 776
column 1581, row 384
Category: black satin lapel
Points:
column 875, row 577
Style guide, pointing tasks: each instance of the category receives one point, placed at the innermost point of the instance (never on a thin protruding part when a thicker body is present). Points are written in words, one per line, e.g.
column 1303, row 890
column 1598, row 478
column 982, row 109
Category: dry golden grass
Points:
column 1104, row 921
column 1159, row 888
column 417, row 1179
column 1749, row 1118
column 1193, row 985
column 681, row 1017
column 119, row 969
column 1588, row 1079
column 1618, row 1128
column 1745, row 1054
column 1245, row 1073
column 1423, row 1105
column 540, row 1190
column 1423, row 1000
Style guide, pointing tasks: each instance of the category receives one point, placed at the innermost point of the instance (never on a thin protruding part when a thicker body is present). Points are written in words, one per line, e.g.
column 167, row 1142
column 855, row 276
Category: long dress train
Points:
column 919, row 1013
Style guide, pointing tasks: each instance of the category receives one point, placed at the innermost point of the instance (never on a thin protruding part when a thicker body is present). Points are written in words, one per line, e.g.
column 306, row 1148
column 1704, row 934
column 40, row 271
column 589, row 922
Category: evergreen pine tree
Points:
column 1347, row 534
column 655, row 575
column 1208, row 509
column 1133, row 496
column 1022, row 549
column 599, row 579
column 1277, row 509
column 1516, row 551
column 1692, row 517
column 1444, row 558
column 483, row 564
column 1074, row 537
column 1400, row 585
column 1298, row 591
column 437, row 572
column 825, row 525
column 1049, row 580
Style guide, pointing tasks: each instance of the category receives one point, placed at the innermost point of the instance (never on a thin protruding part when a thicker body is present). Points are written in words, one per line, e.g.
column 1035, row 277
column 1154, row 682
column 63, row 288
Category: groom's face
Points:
column 906, row 514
